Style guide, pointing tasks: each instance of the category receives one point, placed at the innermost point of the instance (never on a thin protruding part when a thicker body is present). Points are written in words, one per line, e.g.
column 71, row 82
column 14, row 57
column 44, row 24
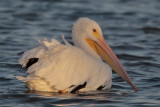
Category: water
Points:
column 132, row 28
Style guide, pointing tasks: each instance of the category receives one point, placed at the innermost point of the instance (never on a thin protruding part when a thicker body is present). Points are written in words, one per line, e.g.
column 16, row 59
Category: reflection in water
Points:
column 88, row 95
column 68, row 99
column 90, row 98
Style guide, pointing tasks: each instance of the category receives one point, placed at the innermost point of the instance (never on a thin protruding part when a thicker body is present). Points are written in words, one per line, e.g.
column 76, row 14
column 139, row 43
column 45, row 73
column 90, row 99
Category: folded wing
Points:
column 64, row 67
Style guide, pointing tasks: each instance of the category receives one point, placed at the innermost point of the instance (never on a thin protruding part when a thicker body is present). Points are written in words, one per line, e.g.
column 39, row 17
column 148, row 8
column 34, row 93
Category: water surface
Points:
column 132, row 29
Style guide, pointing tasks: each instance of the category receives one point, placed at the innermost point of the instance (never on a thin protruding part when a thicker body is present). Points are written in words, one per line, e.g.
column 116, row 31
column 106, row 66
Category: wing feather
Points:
column 38, row 51
column 63, row 66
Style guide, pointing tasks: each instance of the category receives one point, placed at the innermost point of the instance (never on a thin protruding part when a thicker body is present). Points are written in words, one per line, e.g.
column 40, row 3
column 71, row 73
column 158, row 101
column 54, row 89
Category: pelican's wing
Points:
column 66, row 67
column 33, row 55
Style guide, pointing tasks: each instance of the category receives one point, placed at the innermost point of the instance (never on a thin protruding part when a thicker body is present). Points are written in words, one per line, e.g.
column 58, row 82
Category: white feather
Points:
column 38, row 51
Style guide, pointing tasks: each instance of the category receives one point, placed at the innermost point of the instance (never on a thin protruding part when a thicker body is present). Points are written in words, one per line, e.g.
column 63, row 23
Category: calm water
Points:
column 132, row 28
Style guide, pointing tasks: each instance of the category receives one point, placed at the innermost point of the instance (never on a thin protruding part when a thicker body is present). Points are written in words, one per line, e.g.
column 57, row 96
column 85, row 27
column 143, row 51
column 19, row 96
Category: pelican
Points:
column 55, row 67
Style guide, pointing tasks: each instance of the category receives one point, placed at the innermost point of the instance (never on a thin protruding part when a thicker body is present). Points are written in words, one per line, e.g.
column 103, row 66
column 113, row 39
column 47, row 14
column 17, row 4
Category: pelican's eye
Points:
column 95, row 33
column 94, row 30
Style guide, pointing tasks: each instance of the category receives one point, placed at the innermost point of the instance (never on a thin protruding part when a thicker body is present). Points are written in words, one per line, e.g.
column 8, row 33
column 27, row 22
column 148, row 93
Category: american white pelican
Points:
column 56, row 67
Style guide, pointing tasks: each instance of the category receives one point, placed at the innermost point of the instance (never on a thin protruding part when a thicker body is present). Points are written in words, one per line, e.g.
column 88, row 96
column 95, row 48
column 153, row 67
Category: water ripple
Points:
column 132, row 29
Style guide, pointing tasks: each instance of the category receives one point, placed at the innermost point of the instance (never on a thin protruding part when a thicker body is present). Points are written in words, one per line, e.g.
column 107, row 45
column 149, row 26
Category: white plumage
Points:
column 66, row 68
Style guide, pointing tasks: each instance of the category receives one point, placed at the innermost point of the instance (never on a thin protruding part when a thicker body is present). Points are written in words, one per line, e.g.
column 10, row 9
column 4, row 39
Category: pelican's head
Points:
column 87, row 35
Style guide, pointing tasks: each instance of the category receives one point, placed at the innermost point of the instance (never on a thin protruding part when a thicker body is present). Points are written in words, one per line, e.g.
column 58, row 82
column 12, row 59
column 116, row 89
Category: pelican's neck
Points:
column 82, row 44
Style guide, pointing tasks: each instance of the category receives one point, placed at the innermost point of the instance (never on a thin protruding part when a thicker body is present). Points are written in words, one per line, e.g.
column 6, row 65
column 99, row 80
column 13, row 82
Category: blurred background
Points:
column 131, row 27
